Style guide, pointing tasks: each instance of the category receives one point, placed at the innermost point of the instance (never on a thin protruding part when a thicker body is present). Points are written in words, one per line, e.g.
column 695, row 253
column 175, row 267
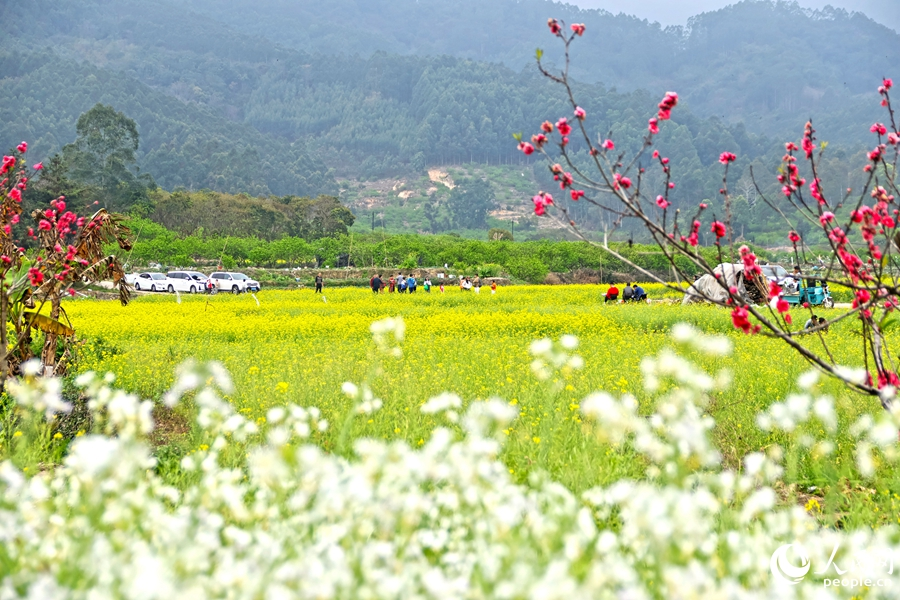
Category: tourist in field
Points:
column 477, row 284
column 427, row 284
column 639, row 293
column 811, row 322
column 823, row 324
column 401, row 283
column 392, row 284
column 320, row 283
column 467, row 284
column 627, row 293
column 612, row 294
column 376, row 283
column 493, row 287
column 442, row 287
column 411, row 283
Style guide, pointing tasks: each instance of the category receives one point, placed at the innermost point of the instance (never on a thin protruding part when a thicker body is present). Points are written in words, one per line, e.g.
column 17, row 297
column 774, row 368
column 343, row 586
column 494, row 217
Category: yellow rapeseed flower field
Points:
column 296, row 346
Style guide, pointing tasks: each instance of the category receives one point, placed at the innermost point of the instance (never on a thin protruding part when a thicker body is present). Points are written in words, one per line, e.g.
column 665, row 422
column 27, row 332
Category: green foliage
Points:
column 242, row 216
column 529, row 269
column 496, row 234
column 103, row 157
column 469, row 203
column 181, row 144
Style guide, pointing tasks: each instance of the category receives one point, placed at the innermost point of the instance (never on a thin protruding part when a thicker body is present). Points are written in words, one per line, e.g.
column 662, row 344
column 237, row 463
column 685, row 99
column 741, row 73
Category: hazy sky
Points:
column 676, row 12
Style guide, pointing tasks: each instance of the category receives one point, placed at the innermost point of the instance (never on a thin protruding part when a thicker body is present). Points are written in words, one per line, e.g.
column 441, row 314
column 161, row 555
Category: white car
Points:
column 154, row 282
column 234, row 282
column 192, row 282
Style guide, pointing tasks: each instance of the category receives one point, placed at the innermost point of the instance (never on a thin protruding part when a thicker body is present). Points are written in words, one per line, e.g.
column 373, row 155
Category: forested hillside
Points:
column 768, row 63
column 182, row 144
column 278, row 98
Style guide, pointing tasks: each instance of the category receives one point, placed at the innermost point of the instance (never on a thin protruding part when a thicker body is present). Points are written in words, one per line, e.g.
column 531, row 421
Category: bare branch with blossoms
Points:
column 758, row 306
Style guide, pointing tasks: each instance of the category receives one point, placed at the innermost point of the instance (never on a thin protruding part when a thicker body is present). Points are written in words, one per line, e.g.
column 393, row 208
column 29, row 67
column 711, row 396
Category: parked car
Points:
column 191, row 282
column 234, row 282
column 154, row 282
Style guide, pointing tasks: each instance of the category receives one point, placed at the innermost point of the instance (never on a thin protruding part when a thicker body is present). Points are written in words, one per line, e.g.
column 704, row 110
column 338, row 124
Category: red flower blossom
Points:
column 526, row 148
column 739, row 318
column 666, row 106
column 563, row 126
column 35, row 276
column 727, row 157
column 553, row 24
column 808, row 147
column 547, row 127
column 794, row 237
column 579, row 112
column 577, row 194
column 609, row 145
column 620, row 180
column 578, row 28
column 718, row 228
column 541, row 202
column 45, row 225
column 23, row 147
column 653, row 126
column 878, row 128
column 15, row 194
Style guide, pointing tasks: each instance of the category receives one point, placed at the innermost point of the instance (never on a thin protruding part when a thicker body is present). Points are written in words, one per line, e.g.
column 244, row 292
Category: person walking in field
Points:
column 411, row 284
column 401, row 283
column 320, row 283
column 477, row 284
column 493, row 287
column 427, row 285
column 392, row 283
column 612, row 294
column 627, row 293
column 376, row 283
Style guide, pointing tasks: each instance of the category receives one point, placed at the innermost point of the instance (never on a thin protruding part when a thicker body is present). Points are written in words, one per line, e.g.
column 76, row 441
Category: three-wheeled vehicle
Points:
column 811, row 290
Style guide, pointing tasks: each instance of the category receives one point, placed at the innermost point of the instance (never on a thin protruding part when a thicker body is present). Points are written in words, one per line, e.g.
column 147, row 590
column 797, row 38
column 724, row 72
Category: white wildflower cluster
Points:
column 388, row 333
column 41, row 395
column 676, row 436
column 876, row 434
column 446, row 404
column 555, row 357
column 365, row 401
column 274, row 516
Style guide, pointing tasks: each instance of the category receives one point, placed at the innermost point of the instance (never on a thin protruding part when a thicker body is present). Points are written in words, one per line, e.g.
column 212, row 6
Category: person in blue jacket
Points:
column 411, row 284
column 639, row 293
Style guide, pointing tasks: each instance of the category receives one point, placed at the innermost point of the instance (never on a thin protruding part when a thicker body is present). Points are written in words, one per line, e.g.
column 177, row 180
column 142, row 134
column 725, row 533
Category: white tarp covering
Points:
column 708, row 289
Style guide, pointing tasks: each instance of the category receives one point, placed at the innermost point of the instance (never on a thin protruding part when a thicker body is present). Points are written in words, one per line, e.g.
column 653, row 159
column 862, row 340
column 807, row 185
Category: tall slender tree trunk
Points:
column 51, row 341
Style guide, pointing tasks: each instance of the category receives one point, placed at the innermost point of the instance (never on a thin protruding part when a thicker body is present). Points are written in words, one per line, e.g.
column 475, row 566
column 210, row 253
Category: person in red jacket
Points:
column 612, row 294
